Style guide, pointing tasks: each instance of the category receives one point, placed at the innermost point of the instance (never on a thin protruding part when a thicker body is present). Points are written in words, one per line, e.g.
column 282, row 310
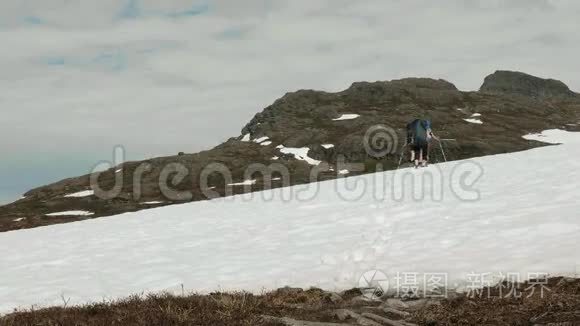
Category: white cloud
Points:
column 77, row 77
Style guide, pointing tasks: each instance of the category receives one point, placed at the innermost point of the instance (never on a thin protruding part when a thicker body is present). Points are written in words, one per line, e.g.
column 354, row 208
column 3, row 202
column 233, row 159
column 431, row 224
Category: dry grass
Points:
column 559, row 303
column 170, row 310
column 215, row 309
column 559, row 306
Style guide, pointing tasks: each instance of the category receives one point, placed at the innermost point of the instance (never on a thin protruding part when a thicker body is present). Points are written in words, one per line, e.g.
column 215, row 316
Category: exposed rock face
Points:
column 510, row 82
column 328, row 127
column 306, row 117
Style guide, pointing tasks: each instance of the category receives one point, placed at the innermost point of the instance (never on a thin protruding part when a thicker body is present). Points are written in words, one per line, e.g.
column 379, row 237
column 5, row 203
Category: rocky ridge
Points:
column 306, row 127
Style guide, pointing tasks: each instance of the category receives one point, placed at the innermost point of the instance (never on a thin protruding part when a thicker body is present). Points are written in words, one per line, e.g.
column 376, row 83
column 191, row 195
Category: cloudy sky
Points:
column 159, row 77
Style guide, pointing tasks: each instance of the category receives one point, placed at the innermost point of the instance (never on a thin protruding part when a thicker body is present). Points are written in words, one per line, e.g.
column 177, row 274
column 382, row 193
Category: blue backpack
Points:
column 417, row 131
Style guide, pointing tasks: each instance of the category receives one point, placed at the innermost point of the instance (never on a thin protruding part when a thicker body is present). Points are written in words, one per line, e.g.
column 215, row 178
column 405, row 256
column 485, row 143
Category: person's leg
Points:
column 425, row 151
column 416, row 155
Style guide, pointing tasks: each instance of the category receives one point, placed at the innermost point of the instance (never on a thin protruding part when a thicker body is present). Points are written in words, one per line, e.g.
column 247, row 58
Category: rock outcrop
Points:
column 518, row 83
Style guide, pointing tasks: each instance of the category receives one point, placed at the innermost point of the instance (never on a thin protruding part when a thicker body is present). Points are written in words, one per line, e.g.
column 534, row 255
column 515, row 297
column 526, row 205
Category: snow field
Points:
column 525, row 220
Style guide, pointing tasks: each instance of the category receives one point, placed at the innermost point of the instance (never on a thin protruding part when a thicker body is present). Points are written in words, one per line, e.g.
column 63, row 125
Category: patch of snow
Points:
column 18, row 219
column 555, row 136
column 280, row 146
column 248, row 242
column 300, row 154
column 84, row 193
column 276, row 179
column 274, row 158
column 266, row 143
column 541, row 137
column 476, row 121
column 328, row 146
column 344, row 172
column 348, row 116
column 261, row 139
column 119, row 170
column 155, row 202
column 246, row 137
column 476, row 115
column 244, row 183
column 71, row 213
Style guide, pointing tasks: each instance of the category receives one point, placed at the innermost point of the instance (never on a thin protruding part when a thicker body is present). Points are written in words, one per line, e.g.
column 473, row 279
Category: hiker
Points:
column 419, row 136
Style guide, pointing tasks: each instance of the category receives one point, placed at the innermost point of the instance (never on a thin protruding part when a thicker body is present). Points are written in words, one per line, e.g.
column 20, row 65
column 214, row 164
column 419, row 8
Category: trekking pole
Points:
column 433, row 155
column 442, row 151
column 401, row 157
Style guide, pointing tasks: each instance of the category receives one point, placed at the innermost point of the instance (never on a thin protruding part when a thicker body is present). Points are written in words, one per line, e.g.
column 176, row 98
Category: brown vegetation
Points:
column 560, row 305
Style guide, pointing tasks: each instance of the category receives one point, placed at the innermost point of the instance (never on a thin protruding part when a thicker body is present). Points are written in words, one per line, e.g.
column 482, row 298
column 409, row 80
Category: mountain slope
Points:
column 524, row 220
column 317, row 126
